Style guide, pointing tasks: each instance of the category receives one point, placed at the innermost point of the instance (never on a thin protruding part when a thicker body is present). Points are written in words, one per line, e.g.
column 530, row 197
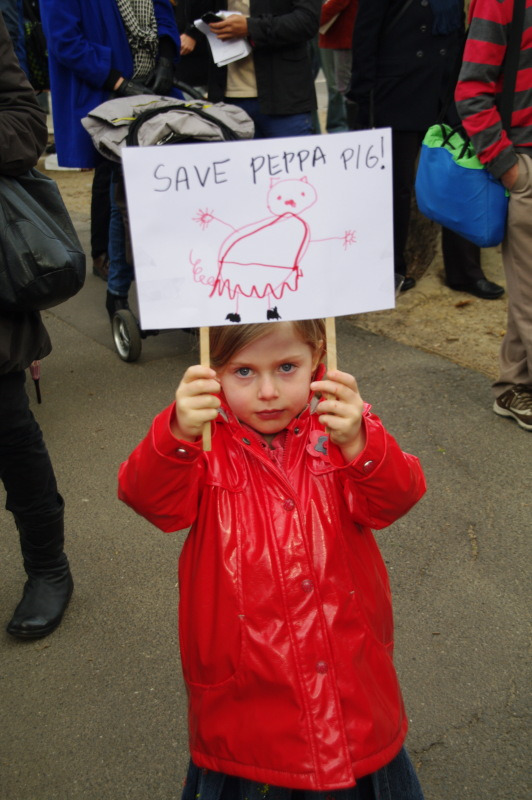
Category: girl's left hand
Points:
column 340, row 411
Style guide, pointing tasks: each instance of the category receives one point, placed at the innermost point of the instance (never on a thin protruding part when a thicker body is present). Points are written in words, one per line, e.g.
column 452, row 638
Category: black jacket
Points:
column 23, row 136
column 279, row 33
column 401, row 70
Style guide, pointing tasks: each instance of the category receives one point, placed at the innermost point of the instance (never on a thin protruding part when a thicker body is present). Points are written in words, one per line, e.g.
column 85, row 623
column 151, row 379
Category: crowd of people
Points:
column 316, row 722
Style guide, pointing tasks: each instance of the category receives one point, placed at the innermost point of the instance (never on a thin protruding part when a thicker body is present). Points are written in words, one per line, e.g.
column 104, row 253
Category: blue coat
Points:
column 85, row 41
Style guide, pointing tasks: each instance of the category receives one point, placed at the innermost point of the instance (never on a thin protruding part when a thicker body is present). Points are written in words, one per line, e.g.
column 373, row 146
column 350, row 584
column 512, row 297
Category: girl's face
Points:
column 267, row 383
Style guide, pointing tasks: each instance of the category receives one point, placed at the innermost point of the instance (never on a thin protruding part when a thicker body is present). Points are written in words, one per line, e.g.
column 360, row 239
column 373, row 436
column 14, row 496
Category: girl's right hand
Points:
column 195, row 402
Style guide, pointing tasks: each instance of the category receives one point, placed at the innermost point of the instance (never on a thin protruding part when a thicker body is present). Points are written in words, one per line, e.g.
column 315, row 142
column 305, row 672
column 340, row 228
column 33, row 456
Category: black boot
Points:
column 114, row 303
column 49, row 586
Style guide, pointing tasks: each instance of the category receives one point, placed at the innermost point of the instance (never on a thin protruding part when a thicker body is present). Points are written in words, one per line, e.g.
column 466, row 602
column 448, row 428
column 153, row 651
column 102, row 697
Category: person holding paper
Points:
column 286, row 624
column 274, row 83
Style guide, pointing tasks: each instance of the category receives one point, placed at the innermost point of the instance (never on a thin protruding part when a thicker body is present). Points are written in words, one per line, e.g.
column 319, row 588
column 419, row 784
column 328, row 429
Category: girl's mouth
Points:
column 272, row 413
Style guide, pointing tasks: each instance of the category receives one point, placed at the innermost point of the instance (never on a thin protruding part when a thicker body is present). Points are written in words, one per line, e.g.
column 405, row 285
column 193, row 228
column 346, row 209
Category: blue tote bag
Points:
column 456, row 190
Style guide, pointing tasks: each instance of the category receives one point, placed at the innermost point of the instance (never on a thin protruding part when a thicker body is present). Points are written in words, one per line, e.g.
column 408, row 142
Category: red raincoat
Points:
column 285, row 615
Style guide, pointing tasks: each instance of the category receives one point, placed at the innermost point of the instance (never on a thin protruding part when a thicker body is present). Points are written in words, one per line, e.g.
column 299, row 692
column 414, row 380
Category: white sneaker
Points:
column 516, row 402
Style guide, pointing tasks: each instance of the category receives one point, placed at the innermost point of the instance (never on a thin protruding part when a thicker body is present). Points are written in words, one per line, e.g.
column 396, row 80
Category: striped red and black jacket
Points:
column 480, row 84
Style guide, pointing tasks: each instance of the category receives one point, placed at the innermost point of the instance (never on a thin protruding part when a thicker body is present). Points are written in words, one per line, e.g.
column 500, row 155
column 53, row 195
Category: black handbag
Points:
column 42, row 262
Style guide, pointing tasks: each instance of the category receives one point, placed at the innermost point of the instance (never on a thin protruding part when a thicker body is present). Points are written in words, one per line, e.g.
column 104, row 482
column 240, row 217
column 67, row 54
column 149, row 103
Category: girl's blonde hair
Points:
column 226, row 340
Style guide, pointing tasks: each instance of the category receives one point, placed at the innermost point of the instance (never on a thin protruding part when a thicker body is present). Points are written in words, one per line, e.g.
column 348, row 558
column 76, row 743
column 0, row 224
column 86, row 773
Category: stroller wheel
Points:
column 126, row 335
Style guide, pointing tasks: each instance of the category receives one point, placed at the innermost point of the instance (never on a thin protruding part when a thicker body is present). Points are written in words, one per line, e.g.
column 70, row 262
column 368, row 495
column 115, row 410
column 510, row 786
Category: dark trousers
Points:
column 25, row 467
column 461, row 258
column 101, row 208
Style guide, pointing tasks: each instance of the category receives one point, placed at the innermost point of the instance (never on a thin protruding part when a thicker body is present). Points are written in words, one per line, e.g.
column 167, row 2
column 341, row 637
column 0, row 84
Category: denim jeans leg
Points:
column 397, row 780
column 272, row 126
column 120, row 272
column 287, row 125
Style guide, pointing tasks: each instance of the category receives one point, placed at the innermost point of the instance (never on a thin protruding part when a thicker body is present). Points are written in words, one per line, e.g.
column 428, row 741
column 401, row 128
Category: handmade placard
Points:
column 262, row 229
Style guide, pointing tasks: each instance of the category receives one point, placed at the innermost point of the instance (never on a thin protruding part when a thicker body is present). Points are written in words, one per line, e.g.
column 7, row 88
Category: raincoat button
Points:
column 367, row 467
column 307, row 585
column 181, row 451
column 322, row 667
column 246, row 441
column 296, row 430
column 288, row 504
column 419, row 54
column 443, row 52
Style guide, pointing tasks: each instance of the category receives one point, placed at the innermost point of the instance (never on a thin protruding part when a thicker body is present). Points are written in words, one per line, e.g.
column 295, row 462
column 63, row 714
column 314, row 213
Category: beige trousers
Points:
column 515, row 359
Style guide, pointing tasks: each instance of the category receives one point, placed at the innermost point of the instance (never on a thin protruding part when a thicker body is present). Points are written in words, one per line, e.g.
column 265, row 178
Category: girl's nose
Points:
column 267, row 388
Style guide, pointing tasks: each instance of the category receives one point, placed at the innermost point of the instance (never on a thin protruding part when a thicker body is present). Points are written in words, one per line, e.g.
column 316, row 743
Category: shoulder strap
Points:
column 511, row 64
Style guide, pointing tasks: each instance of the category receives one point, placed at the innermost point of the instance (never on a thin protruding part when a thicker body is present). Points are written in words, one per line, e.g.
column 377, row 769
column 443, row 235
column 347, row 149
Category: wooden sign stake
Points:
column 330, row 331
column 205, row 361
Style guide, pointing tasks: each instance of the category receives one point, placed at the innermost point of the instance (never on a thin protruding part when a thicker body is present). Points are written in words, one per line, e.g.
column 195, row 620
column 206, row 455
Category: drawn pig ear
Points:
column 273, row 181
column 304, row 179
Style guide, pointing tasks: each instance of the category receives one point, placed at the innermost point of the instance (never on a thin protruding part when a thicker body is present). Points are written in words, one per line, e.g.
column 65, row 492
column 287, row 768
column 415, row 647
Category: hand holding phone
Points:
column 210, row 16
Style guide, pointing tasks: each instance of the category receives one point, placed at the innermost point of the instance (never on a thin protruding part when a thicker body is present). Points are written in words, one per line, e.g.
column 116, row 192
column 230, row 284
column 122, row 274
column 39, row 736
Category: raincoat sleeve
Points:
column 163, row 477
column 382, row 483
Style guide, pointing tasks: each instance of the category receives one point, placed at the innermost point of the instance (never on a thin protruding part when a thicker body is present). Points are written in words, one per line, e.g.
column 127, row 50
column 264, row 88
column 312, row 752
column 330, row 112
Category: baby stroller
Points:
column 150, row 120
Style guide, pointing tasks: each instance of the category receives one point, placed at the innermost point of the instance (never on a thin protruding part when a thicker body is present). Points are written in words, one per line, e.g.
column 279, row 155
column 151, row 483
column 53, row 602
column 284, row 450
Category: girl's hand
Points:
column 196, row 402
column 233, row 27
column 340, row 411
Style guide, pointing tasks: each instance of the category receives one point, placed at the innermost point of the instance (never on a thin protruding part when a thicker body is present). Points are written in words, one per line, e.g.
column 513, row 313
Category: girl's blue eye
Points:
column 287, row 367
column 243, row 371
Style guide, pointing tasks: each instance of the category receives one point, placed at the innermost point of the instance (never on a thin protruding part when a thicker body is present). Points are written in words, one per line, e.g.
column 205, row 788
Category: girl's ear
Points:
column 318, row 355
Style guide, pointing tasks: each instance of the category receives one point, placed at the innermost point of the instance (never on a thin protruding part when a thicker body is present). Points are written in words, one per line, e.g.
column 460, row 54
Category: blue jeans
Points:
column 120, row 271
column 396, row 781
column 273, row 126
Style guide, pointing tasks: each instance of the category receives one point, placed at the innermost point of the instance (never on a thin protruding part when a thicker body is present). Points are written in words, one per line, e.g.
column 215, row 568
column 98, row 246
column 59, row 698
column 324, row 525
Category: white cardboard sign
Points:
column 262, row 229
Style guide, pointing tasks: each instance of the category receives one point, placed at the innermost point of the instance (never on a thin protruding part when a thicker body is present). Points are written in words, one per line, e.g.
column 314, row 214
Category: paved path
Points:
column 97, row 710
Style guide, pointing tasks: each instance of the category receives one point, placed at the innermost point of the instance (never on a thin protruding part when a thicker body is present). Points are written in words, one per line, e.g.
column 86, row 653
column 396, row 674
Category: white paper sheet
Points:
column 224, row 51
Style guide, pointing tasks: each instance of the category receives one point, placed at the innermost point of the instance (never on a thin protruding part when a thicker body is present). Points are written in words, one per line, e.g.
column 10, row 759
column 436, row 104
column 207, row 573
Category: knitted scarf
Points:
column 448, row 16
column 141, row 29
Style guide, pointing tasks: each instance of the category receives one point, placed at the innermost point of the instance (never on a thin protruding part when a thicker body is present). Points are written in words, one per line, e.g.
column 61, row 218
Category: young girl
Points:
column 285, row 616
